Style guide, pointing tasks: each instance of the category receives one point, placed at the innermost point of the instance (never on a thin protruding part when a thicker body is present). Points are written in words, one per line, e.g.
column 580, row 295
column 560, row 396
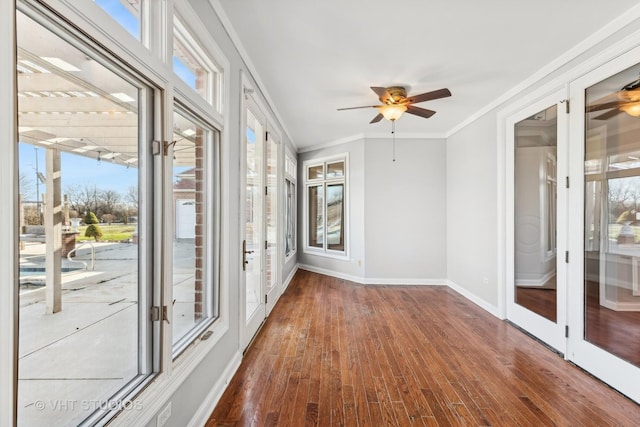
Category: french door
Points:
column 537, row 153
column 260, row 243
column 574, row 222
column 604, row 292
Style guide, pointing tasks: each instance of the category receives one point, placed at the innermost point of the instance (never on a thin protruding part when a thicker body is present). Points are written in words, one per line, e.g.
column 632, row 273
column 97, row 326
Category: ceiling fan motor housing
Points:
column 397, row 93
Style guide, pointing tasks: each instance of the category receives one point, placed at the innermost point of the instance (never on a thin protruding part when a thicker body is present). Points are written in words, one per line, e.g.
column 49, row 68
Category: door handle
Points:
column 244, row 255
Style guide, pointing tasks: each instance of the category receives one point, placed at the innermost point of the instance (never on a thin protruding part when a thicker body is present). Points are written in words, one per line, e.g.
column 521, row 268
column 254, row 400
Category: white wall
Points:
column 405, row 209
column 472, row 209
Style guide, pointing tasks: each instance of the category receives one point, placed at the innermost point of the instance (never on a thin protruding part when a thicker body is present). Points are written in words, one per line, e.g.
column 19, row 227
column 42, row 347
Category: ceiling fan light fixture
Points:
column 392, row 112
column 632, row 109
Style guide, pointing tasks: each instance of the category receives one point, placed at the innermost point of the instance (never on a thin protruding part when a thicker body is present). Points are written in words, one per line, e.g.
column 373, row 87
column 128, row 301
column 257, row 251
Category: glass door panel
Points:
column 271, row 220
column 536, row 293
column 612, row 215
column 535, row 213
column 253, row 214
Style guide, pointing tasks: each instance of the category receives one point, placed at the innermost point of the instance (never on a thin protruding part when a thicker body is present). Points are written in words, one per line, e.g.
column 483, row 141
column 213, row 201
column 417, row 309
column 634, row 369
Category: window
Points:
column 192, row 65
column 290, row 206
column 86, row 338
column 126, row 13
column 325, row 206
column 194, row 187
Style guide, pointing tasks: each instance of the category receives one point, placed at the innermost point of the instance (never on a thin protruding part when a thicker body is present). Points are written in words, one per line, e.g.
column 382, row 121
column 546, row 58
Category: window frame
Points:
column 324, row 182
column 149, row 331
column 290, row 207
column 211, row 223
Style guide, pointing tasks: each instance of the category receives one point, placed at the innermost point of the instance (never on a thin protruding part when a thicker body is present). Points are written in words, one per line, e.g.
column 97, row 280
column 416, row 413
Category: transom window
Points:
column 325, row 206
column 192, row 65
column 127, row 13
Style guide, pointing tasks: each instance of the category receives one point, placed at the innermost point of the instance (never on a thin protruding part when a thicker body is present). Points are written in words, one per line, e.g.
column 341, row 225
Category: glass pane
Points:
column 125, row 13
column 316, row 216
column 271, row 200
column 315, row 172
column 79, row 338
column 535, row 213
column 192, row 290
column 290, row 218
column 186, row 64
column 335, row 217
column 612, row 217
column 335, row 170
column 253, row 214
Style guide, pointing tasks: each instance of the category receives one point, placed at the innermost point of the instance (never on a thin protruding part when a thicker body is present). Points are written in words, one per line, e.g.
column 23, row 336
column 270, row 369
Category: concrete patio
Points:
column 73, row 361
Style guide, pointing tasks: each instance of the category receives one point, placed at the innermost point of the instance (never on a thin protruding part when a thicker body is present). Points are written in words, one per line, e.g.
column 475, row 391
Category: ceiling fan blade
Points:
column 355, row 108
column 604, row 106
column 428, row 96
column 377, row 118
column 383, row 94
column 422, row 112
column 608, row 115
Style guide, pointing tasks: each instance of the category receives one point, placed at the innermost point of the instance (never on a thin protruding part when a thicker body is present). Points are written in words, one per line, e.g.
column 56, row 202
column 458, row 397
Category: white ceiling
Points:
column 311, row 58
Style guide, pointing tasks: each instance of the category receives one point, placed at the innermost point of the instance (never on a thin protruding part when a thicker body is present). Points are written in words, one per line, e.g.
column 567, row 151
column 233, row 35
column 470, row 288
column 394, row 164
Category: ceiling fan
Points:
column 395, row 102
column 625, row 100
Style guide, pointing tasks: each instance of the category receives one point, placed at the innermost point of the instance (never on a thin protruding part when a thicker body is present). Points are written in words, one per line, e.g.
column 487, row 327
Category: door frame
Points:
column 552, row 333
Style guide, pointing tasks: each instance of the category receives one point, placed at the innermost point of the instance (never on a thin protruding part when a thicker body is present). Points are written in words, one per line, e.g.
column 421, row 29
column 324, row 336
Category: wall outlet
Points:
column 164, row 416
column 485, row 280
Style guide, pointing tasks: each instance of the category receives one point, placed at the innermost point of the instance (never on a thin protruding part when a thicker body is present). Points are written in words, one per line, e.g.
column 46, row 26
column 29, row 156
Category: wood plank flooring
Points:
column 335, row 353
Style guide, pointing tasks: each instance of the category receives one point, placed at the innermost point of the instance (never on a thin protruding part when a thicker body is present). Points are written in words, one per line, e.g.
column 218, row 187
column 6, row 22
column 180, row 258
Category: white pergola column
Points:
column 53, row 232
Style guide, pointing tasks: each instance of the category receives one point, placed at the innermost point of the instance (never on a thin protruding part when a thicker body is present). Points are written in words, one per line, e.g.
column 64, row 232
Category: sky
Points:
column 75, row 170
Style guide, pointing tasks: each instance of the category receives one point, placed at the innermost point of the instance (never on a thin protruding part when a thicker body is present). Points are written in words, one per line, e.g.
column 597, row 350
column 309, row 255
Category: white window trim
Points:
column 325, row 252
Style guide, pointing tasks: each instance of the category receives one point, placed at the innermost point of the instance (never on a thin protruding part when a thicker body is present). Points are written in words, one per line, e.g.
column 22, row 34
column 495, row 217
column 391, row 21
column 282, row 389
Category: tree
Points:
column 93, row 229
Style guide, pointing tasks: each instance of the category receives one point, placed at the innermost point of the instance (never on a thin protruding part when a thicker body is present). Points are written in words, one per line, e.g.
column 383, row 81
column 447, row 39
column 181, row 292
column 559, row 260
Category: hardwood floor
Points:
column 334, row 353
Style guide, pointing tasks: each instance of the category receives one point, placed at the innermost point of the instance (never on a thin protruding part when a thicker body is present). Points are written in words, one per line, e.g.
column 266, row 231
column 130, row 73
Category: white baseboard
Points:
column 411, row 282
column 209, row 403
column 289, row 278
column 475, row 299
column 332, row 273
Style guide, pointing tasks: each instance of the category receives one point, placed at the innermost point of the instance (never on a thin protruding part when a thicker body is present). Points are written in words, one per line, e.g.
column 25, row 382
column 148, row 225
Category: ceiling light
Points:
column 123, row 97
column 62, row 64
column 188, row 132
column 632, row 109
column 392, row 112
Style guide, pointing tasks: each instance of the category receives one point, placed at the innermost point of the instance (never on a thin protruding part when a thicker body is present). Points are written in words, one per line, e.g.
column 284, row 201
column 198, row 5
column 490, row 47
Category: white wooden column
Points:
column 53, row 232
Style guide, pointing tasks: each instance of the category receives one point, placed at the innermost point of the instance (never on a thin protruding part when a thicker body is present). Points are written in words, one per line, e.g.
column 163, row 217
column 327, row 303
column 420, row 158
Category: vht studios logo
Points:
column 85, row 405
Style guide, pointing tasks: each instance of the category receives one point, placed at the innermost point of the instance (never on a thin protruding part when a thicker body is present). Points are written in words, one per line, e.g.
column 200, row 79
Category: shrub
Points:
column 93, row 229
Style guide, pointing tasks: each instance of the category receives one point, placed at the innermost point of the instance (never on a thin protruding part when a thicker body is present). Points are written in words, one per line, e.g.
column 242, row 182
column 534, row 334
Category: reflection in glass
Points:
column 315, row 172
column 271, row 204
column 335, row 215
column 535, row 213
column 612, row 215
column 316, row 216
column 80, row 311
column 335, row 170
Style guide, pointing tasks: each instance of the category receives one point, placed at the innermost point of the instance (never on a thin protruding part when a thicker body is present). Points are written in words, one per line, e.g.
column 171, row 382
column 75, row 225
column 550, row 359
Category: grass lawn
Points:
column 110, row 233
